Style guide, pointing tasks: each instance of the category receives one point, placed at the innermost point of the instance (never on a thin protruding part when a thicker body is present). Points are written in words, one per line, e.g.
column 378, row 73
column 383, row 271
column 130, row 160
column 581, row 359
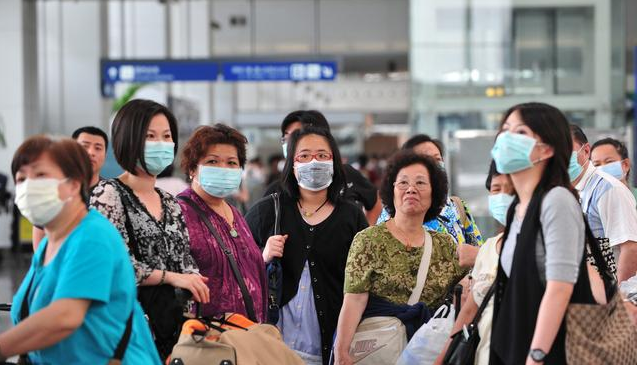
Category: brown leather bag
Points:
column 596, row 333
column 234, row 340
column 600, row 334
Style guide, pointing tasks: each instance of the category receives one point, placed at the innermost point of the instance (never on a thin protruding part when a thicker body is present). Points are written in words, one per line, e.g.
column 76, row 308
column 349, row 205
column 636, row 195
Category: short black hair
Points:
column 620, row 147
column 437, row 179
column 307, row 118
column 288, row 181
column 93, row 131
column 420, row 139
column 129, row 131
column 578, row 134
column 493, row 172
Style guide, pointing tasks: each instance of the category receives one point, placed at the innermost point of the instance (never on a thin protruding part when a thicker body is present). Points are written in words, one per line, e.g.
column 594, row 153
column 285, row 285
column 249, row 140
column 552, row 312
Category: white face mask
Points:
column 38, row 200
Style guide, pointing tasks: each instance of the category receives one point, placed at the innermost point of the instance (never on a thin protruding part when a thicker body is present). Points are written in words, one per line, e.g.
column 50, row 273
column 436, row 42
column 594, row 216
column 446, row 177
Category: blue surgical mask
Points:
column 574, row 168
column 441, row 164
column 614, row 169
column 512, row 152
column 219, row 181
column 285, row 150
column 499, row 205
column 158, row 156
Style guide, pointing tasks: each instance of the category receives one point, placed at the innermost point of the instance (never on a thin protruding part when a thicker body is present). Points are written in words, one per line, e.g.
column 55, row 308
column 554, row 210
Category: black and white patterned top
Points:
column 155, row 245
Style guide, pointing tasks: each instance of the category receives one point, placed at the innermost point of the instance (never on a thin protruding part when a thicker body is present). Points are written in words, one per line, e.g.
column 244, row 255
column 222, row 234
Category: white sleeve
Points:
column 618, row 212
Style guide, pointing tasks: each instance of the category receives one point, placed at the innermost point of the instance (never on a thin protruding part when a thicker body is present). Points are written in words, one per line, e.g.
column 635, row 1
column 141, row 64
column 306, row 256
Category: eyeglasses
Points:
column 420, row 185
column 305, row 157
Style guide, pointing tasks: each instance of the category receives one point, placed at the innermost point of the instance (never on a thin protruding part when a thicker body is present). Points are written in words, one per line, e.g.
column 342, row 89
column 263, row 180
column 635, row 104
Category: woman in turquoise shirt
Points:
column 80, row 290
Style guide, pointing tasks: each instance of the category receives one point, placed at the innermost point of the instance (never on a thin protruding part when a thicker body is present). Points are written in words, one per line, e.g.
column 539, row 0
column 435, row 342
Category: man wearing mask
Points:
column 609, row 206
column 359, row 189
column 95, row 143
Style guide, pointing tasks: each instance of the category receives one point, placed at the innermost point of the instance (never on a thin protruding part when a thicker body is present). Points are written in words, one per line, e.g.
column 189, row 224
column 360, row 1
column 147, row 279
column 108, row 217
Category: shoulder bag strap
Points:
column 423, row 269
column 24, row 313
column 277, row 213
column 120, row 350
column 460, row 208
column 247, row 298
column 484, row 304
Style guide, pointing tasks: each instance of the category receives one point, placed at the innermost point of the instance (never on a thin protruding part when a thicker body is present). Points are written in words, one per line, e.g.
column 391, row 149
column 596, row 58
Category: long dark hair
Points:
column 551, row 125
column 288, row 181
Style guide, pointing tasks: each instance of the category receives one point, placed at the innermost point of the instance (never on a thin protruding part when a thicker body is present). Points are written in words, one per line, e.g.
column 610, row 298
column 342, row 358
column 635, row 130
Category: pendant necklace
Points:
column 309, row 214
column 233, row 231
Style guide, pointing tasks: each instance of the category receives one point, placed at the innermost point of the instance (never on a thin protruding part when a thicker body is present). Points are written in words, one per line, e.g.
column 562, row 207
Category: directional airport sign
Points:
column 279, row 71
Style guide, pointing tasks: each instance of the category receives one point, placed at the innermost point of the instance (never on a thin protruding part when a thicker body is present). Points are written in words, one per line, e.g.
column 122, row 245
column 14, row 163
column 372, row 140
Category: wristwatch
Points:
column 537, row 355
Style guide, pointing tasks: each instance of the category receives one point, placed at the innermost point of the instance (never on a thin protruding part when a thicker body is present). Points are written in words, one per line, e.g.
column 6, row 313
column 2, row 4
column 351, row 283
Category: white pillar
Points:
column 18, row 88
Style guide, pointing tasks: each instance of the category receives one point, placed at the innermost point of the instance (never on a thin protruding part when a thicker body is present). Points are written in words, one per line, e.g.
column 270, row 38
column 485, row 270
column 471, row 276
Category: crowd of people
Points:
column 117, row 262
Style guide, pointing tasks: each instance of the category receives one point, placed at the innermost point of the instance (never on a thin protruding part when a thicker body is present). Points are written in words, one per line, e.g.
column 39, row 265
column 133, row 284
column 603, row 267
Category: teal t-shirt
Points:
column 92, row 264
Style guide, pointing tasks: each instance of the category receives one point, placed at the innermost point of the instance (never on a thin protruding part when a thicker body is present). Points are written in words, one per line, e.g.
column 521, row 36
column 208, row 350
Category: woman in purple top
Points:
column 213, row 159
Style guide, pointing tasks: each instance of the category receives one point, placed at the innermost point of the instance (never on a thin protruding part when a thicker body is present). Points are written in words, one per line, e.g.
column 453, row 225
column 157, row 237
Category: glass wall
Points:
column 470, row 60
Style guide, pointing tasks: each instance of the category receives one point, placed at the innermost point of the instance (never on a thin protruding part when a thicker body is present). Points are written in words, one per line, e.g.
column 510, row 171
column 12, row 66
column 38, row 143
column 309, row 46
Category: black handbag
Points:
column 274, row 270
column 464, row 343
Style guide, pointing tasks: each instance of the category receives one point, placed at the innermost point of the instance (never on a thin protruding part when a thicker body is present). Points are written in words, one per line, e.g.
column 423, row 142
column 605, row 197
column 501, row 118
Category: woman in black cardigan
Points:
column 317, row 227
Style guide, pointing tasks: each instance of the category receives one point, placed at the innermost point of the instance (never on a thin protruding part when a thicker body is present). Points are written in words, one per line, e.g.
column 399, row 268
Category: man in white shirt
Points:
column 609, row 206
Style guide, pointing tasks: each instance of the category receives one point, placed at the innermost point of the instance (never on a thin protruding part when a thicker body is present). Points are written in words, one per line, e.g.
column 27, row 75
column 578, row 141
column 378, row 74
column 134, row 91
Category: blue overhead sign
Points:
column 279, row 71
column 158, row 71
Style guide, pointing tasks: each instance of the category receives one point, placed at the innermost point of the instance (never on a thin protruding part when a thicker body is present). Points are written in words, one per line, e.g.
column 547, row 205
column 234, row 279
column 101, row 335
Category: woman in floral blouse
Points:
column 149, row 219
column 454, row 218
column 383, row 260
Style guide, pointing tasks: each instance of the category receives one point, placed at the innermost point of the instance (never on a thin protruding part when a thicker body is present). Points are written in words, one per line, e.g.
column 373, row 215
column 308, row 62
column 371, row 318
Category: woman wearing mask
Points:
column 317, row 228
column 544, row 223
column 384, row 259
column 214, row 158
column 78, row 299
column 144, row 137
column 501, row 194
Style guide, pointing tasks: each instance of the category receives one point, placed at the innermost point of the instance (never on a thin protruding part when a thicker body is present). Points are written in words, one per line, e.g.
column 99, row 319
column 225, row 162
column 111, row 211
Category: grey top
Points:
column 563, row 228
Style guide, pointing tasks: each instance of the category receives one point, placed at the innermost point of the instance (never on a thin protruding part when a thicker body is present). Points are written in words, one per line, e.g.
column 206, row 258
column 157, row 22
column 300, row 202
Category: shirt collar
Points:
column 588, row 173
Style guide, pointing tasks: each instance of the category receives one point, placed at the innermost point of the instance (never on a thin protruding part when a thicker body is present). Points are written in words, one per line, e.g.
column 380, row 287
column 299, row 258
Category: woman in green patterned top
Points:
column 384, row 259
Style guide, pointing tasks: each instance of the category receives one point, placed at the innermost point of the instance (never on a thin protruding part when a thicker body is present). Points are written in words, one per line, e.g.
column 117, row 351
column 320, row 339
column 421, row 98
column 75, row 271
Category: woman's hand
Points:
column 195, row 283
column 342, row 358
column 274, row 247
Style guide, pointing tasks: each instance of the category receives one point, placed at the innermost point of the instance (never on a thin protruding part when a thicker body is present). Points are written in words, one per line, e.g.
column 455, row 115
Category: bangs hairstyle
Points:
column 437, row 179
column 206, row 136
column 551, row 125
column 129, row 132
column 69, row 155
column 290, row 185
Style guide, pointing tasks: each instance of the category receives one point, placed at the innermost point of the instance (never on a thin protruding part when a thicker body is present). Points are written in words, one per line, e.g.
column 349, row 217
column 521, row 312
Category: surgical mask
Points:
column 158, row 156
column 441, row 164
column 512, row 152
column 499, row 205
column 285, row 150
column 574, row 168
column 314, row 175
column 219, row 181
column 38, row 200
column 614, row 169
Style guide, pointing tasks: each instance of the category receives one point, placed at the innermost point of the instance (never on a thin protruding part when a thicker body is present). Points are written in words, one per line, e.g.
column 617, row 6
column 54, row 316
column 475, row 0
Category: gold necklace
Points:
column 308, row 214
